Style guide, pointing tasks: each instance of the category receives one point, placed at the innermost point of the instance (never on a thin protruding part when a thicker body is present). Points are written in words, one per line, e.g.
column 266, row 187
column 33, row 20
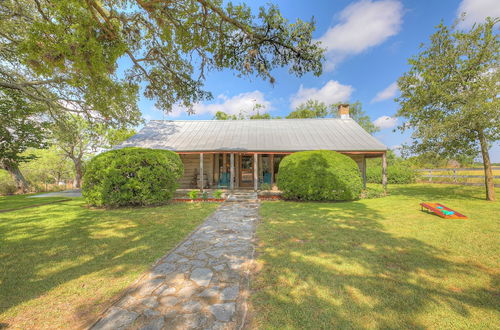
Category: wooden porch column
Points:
column 231, row 181
column 255, row 172
column 363, row 172
column 201, row 171
column 272, row 170
column 384, row 170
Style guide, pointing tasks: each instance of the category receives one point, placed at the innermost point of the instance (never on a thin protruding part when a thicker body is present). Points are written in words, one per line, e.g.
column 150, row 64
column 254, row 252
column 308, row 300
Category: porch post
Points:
column 255, row 172
column 364, row 172
column 272, row 170
column 201, row 171
column 384, row 171
column 231, row 182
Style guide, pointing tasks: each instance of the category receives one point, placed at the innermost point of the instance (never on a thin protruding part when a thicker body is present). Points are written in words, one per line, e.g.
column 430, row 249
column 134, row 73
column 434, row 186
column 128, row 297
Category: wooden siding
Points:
column 192, row 167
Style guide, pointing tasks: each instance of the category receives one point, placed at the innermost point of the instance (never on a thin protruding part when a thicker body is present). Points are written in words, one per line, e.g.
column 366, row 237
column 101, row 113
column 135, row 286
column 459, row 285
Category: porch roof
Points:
column 278, row 135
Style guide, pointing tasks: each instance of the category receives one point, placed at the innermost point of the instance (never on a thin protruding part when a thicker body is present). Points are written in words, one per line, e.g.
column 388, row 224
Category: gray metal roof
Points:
column 255, row 135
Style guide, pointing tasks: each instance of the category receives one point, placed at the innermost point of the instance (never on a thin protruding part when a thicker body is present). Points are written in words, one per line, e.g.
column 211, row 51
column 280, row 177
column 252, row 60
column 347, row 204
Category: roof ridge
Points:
column 236, row 120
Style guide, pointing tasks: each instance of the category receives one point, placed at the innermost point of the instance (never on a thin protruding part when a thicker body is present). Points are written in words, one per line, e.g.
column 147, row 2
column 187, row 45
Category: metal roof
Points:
column 281, row 135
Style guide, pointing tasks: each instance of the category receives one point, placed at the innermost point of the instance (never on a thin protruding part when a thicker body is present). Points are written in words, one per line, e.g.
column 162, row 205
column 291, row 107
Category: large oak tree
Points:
column 65, row 53
column 449, row 96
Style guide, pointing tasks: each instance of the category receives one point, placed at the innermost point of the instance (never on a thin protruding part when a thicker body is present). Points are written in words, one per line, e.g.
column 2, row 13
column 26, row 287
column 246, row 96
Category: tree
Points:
column 316, row 109
column 310, row 109
column 49, row 166
column 78, row 138
column 65, row 53
column 21, row 127
column 357, row 113
column 449, row 96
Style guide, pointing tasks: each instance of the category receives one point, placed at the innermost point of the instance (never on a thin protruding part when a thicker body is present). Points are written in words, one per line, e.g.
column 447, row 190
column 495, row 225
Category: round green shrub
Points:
column 396, row 174
column 319, row 175
column 132, row 176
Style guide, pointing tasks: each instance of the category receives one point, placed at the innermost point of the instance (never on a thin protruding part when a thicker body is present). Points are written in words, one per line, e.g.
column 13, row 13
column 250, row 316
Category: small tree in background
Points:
column 21, row 127
column 450, row 95
column 310, row 109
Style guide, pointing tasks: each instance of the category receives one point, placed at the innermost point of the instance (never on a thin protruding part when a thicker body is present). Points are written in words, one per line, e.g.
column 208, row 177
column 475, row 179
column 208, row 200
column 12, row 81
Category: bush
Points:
column 193, row 194
column 397, row 173
column 218, row 194
column 319, row 175
column 132, row 176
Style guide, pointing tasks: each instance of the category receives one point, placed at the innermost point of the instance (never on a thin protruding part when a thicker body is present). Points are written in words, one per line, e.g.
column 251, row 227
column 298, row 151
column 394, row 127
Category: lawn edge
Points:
column 35, row 205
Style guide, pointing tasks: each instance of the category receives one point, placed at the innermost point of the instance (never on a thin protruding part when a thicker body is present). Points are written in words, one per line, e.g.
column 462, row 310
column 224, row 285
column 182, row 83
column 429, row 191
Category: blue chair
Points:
column 267, row 178
column 223, row 180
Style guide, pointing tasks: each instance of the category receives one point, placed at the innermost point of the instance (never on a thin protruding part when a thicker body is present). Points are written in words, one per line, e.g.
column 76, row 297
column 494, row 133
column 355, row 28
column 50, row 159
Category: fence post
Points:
column 430, row 176
column 455, row 175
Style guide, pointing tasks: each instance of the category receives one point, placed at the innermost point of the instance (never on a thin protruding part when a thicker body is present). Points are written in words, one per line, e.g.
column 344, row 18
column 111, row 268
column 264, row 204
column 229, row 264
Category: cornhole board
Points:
column 432, row 207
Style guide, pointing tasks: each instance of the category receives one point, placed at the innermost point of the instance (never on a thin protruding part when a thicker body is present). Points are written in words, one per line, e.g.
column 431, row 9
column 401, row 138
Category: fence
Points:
column 454, row 177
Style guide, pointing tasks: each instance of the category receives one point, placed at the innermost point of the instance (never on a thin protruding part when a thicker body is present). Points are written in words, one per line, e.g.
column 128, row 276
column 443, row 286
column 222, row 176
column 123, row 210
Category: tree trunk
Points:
column 77, row 183
column 488, row 172
column 21, row 183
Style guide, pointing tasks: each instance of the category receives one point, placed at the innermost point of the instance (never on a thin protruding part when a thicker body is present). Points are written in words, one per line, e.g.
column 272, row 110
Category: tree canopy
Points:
column 449, row 96
column 65, row 53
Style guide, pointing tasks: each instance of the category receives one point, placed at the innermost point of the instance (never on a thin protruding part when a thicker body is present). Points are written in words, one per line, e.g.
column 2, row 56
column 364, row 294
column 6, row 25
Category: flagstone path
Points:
column 201, row 284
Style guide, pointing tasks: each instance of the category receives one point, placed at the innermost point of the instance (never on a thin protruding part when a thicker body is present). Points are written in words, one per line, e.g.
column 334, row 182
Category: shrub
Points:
column 397, row 173
column 132, row 176
column 218, row 194
column 204, row 195
column 266, row 186
column 319, row 175
column 193, row 194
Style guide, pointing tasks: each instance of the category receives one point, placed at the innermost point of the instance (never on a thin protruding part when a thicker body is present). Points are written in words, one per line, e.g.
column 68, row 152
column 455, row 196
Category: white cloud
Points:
column 384, row 122
column 331, row 92
column 476, row 11
column 242, row 103
column 363, row 24
column 387, row 93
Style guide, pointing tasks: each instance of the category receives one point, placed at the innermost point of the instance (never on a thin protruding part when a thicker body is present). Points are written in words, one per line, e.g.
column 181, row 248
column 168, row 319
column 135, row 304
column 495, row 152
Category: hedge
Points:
column 397, row 173
column 319, row 175
column 132, row 176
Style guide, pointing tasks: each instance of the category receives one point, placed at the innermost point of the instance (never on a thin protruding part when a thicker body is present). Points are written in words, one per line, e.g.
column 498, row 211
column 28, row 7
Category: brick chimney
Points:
column 344, row 111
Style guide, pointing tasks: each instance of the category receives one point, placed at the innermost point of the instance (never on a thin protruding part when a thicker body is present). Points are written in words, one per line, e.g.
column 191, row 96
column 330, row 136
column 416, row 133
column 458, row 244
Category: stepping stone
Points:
column 223, row 312
column 230, row 293
column 156, row 324
column 201, row 276
column 116, row 318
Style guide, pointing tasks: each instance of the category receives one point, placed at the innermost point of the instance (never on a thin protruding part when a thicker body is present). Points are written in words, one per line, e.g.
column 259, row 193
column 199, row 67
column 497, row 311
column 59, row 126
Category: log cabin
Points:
column 244, row 154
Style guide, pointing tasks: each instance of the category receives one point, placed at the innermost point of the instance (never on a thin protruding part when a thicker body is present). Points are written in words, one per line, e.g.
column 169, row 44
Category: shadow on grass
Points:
column 45, row 247
column 333, row 266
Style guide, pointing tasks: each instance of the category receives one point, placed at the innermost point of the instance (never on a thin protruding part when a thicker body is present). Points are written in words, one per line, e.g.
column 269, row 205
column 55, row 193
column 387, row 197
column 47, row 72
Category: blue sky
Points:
column 368, row 44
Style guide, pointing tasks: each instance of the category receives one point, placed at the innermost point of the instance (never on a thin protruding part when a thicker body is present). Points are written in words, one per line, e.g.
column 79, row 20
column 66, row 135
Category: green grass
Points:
column 19, row 201
column 380, row 263
column 62, row 264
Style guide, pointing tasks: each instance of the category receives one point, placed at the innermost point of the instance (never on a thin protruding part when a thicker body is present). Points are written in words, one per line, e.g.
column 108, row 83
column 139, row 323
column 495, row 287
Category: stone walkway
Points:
column 202, row 284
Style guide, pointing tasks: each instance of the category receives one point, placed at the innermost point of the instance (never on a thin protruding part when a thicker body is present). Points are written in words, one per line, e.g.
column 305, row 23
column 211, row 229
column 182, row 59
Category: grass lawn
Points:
column 380, row 263
column 19, row 201
column 62, row 264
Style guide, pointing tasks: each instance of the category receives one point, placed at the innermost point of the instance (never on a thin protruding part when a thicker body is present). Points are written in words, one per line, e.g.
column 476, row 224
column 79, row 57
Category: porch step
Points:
column 242, row 197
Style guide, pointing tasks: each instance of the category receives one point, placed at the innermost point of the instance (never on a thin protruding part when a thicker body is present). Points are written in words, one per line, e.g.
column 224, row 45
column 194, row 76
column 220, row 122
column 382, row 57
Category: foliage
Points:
column 319, row 175
column 193, row 194
column 357, row 113
column 218, row 194
column 316, row 109
column 396, row 173
column 132, row 176
column 204, row 195
column 449, row 96
column 374, row 191
column 310, row 109
column 79, row 138
column 21, row 127
column 7, row 184
column 96, row 254
column 378, row 263
column 266, row 186
column 70, row 51
column 49, row 166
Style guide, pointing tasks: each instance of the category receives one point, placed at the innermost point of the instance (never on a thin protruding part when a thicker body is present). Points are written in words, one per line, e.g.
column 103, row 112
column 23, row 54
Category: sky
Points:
column 368, row 44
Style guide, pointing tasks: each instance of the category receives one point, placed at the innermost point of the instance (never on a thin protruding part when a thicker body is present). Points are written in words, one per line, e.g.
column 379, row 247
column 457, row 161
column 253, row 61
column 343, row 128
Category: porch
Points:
column 248, row 170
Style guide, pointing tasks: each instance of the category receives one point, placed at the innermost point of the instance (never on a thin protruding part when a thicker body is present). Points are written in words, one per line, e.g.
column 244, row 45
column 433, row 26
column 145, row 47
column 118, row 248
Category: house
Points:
column 246, row 153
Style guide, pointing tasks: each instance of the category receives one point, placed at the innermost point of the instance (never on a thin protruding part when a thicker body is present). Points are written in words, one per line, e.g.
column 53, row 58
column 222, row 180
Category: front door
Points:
column 246, row 171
